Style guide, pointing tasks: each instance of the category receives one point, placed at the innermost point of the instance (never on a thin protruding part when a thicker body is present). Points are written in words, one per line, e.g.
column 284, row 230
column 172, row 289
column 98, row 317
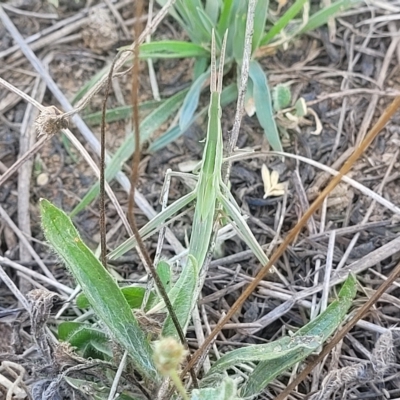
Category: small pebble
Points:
column 42, row 179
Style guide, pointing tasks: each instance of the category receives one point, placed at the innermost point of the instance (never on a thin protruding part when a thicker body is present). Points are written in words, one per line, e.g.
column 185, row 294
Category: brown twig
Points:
column 102, row 167
column 135, row 102
column 134, row 180
column 32, row 151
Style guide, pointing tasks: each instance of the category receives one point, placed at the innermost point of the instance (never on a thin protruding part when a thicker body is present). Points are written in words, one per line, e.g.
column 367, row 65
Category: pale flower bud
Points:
column 168, row 355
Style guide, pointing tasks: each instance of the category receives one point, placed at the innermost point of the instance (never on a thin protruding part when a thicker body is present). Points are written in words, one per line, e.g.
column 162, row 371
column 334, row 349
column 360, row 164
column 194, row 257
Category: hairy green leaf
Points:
column 98, row 285
column 317, row 330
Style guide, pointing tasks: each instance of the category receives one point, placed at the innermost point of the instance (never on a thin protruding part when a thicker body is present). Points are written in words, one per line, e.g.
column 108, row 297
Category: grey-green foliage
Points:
column 281, row 96
column 278, row 356
column 198, row 18
column 226, row 390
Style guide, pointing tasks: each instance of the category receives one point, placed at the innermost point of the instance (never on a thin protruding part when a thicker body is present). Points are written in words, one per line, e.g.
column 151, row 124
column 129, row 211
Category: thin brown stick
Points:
column 135, row 102
column 102, row 168
column 134, row 180
column 385, row 117
column 31, row 152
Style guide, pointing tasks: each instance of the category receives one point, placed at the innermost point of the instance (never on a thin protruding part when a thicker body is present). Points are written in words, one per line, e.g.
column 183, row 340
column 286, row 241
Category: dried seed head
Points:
column 50, row 121
column 168, row 355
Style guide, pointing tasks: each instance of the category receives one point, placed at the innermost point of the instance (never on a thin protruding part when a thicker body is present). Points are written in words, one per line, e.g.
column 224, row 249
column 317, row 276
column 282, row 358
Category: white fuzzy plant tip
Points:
column 272, row 187
column 168, row 355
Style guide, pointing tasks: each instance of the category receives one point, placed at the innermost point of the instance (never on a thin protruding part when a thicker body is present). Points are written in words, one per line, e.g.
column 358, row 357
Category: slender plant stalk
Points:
column 135, row 178
column 178, row 384
column 103, row 233
column 135, row 104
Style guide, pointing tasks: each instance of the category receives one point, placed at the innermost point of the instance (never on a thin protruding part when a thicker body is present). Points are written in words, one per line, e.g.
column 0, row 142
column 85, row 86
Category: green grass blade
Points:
column 229, row 94
column 227, row 23
column 99, row 287
column 122, row 112
column 208, row 26
column 147, row 127
column 191, row 101
column 213, row 8
column 282, row 22
column 321, row 17
column 152, row 226
column 319, row 329
column 187, row 16
column 260, row 18
column 170, row 135
column 227, row 13
column 172, row 49
column 239, row 29
column 261, row 377
column 173, row 12
column 328, row 321
column 181, row 298
column 263, row 104
column 164, row 273
column 68, row 147
column 200, row 66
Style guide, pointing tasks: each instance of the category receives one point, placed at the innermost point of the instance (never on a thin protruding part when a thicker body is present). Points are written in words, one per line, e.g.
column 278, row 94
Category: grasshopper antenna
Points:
column 213, row 79
column 221, row 62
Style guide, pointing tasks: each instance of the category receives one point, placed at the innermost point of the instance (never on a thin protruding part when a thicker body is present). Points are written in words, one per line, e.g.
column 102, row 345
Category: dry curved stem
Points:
column 135, row 116
column 382, row 121
column 243, row 76
column 102, row 167
column 135, row 176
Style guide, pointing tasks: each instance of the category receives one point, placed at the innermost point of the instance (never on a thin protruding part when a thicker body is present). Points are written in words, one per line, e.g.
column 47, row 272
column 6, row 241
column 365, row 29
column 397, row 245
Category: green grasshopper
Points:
column 210, row 194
